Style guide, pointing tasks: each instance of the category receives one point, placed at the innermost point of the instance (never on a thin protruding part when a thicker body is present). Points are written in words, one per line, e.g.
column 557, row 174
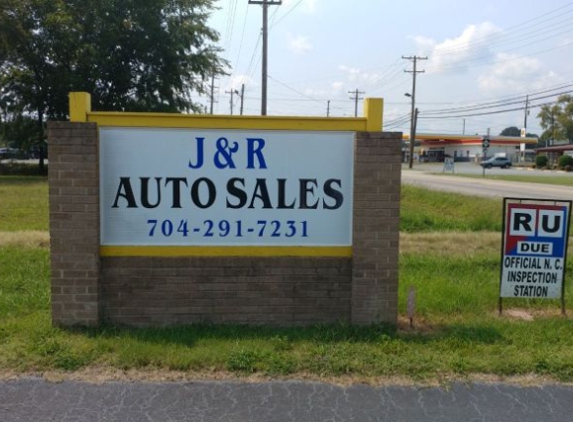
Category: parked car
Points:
column 7, row 153
column 502, row 162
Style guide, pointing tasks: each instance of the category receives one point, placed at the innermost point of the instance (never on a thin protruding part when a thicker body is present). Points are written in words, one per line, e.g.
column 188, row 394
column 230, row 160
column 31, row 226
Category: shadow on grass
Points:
column 189, row 334
column 457, row 333
column 329, row 334
column 18, row 170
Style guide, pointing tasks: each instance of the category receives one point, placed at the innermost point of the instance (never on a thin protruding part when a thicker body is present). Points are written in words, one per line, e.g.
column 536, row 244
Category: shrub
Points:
column 565, row 160
column 541, row 161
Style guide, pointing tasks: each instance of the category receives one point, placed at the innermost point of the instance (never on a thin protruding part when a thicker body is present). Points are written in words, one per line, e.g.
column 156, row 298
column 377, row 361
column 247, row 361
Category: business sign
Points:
column 534, row 248
column 449, row 164
column 194, row 187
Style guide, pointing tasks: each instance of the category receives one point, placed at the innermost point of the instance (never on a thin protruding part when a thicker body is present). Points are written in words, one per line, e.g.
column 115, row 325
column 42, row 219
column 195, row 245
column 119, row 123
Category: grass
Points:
column 456, row 332
column 424, row 210
column 23, row 203
column 527, row 178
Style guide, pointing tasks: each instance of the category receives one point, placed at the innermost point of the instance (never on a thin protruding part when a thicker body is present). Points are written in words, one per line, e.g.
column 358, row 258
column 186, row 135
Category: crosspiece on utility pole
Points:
column 356, row 98
column 265, row 4
column 414, row 113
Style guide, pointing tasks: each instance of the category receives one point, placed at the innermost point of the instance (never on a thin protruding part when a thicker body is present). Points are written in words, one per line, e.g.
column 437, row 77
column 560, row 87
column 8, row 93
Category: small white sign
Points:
column 225, row 187
column 449, row 164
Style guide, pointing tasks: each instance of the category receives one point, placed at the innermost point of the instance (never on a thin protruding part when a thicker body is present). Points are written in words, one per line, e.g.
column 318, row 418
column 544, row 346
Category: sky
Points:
column 483, row 57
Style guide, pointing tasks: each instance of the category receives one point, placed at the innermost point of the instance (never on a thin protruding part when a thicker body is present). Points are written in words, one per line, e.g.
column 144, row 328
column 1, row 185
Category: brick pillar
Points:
column 73, row 175
column 377, row 167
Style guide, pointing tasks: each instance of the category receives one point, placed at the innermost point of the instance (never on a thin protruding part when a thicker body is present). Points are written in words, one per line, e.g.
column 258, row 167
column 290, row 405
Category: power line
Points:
column 489, row 40
column 286, row 14
column 437, row 68
column 504, row 104
column 242, row 37
column 486, row 113
column 504, row 100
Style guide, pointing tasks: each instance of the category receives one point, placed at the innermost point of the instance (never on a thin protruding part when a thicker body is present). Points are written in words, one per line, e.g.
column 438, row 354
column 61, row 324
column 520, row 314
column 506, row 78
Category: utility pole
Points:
column 526, row 113
column 328, row 108
column 464, row 129
column 242, row 94
column 356, row 98
column 232, row 92
column 212, row 91
column 552, row 126
column 265, row 4
column 414, row 72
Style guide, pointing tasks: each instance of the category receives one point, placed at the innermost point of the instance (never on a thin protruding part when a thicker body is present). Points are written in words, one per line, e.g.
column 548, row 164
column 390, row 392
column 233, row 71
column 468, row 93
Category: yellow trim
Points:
column 373, row 112
column 80, row 106
column 195, row 121
column 80, row 111
column 246, row 251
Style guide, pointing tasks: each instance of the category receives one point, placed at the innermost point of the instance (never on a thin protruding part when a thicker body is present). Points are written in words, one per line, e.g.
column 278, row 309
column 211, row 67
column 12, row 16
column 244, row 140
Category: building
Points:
column 435, row 147
column 554, row 152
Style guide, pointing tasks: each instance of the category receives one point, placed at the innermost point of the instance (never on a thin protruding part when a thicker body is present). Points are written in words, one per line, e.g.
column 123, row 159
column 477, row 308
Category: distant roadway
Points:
column 422, row 176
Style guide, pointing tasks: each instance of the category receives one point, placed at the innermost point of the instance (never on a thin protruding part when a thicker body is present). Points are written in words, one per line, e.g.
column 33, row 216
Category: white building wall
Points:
column 475, row 151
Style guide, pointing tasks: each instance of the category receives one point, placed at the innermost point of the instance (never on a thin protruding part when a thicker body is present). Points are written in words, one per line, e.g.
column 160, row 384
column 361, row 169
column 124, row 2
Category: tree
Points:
column 152, row 55
column 511, row 131
column 20, row 132
column 515, row 131
column 557, row 120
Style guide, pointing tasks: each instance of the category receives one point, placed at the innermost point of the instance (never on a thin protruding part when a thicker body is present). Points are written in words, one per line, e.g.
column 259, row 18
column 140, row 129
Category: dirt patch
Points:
column 532, row 314
column 28, row 239
column 448, row 243
column 522, row 314
column 101, row 375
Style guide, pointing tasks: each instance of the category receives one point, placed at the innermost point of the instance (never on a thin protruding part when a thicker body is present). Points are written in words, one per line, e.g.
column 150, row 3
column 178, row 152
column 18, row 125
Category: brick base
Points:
column 87, row 289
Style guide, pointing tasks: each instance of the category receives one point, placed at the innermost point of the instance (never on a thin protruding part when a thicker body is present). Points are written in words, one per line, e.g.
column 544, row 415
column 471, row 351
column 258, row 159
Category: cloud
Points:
column 338, row 86
column 512, row 73
column 474, row 42
column 298, row 44
column 237, row 80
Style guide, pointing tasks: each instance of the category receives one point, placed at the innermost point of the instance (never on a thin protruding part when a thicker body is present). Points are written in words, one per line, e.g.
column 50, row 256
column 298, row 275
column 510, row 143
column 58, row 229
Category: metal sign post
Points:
column 485, row 146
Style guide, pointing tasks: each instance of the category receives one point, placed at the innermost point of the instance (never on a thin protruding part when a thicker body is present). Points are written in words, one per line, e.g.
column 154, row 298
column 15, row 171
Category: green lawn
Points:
column 23, row 203
column 456, row 332
column 563, row 180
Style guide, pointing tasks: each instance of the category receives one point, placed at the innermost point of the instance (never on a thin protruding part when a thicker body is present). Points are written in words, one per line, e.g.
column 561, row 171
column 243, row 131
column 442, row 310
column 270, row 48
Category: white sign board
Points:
column 449, row 164
column 534, row 249
column 211, row 187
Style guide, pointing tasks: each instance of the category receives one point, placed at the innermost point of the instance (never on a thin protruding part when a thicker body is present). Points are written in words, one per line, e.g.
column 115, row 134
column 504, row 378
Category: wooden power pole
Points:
column 264, row 71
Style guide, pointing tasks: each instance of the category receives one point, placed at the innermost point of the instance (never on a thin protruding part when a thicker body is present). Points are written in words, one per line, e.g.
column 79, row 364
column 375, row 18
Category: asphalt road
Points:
column 422, row 176
column 33, row 400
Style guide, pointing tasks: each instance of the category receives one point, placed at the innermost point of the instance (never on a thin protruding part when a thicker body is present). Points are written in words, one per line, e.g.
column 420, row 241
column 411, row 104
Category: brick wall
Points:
column 377, row 169
column 73, row 176
column 135, row 291
column 277, row 291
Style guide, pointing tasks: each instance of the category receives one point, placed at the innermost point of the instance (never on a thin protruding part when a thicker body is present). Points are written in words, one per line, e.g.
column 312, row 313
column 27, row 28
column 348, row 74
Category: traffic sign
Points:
column 485, row 143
